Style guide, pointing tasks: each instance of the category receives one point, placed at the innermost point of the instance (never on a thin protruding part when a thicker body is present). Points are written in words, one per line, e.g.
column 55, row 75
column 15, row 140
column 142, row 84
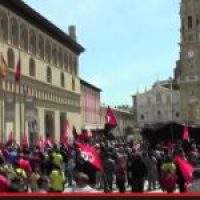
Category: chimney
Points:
column 72, row 32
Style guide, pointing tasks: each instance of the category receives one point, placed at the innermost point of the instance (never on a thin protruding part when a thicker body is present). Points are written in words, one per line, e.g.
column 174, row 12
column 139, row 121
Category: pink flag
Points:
column 40, row 143
column 185, row 134
column 24, row 142
column 90, row 154
column 185, row 167
column 111, row 120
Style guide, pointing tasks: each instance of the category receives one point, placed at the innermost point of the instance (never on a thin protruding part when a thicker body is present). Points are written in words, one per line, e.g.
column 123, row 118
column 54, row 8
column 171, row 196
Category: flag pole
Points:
column 20, row 106
column 15, row 100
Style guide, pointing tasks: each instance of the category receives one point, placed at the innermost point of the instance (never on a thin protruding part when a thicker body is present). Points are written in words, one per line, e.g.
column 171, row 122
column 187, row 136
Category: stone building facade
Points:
column 125, row 119
column 160, row 104
column 49, row 90
column 90, row 106
column 189, row 65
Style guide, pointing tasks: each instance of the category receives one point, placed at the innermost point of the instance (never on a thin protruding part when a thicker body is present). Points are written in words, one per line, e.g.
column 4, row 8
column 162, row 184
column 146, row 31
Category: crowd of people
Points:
column 126, row 166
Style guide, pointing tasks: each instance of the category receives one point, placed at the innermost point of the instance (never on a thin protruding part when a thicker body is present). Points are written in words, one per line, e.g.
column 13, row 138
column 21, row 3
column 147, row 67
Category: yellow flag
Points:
column 3, row 67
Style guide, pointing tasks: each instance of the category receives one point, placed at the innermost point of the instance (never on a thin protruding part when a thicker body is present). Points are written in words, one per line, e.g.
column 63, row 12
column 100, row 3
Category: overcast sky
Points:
column 129, row 43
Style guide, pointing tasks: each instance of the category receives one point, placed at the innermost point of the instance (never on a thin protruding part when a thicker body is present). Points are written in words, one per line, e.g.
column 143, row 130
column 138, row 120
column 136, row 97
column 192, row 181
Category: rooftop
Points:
column 83, row 82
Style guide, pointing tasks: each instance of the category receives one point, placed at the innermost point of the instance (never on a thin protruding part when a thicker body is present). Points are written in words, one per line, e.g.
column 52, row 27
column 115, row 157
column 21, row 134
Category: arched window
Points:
column 11, row 58
column 60, row 57
column 48, row 51
column 4, row 27
column 32, row 42
column 49, row 75
column 32, row 67
column 14, row 32
column 62, row 79
column 66, row 61
column 41, row 47
column 75, row 65
column 54, row 55
column 73, row 84
column 24, row 36
column 70, row 64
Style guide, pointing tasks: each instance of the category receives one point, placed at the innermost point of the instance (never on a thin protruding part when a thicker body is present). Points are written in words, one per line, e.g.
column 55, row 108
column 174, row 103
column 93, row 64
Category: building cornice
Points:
column 25, row 11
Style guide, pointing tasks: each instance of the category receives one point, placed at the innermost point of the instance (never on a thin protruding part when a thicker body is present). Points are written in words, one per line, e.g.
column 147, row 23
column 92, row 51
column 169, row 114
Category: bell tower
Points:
column 189, row 77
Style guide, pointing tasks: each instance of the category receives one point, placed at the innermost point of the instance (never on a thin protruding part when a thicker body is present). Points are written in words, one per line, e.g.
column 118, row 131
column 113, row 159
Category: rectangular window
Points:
column 190, row 37
column 189, row 22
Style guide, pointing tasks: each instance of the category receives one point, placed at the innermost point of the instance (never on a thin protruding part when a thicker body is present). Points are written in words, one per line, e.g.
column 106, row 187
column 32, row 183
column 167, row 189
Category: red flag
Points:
column 83, row 137
column 24, row 142
column 90, row 154
column 18, row 71
column 111, row 121
column 185, row 167
column 185, row 134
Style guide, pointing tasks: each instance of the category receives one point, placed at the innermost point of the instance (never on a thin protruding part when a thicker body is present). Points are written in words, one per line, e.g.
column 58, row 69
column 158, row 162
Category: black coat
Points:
column 138, row 169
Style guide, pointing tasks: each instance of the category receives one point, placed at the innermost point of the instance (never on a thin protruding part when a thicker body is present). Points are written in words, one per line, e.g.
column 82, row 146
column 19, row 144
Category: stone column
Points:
column 17, row 122
column 57, row 125
column 41, row 122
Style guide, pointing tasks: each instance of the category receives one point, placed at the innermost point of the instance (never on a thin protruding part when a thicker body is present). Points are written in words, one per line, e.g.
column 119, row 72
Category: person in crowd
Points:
column 5, row 184
column 81, row 180
column 139, row 171
column 195, row 185
column 120, row 174
column 152, row 172
column 181, row 182
column 57, row 180
column 43, row 184
column 128, row 166
column 33, row 180
column 57, row 158
column 109, row 171
column 19, row 182
column 168, row 175
column 71, row 165
column 25, row 164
